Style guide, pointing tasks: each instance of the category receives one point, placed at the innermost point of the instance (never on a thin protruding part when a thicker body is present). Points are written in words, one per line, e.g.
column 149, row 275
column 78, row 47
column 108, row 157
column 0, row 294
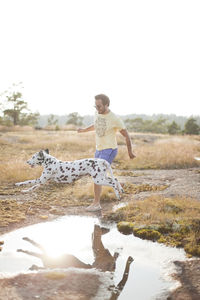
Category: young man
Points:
column 106, row 126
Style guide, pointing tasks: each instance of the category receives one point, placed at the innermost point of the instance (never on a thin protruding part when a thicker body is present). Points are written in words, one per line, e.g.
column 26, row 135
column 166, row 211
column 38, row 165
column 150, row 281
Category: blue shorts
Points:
column 107, row 154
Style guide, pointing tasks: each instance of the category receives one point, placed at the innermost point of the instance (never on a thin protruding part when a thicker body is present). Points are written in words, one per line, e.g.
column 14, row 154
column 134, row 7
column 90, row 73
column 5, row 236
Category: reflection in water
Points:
column 104, row 261
column 107, row 253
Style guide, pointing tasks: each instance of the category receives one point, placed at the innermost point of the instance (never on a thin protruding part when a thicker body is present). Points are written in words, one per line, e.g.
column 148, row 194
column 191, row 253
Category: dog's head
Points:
column 38, row 158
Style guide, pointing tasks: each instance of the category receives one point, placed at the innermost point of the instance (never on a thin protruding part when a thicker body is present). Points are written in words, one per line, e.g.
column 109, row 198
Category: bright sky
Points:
column 144, row 54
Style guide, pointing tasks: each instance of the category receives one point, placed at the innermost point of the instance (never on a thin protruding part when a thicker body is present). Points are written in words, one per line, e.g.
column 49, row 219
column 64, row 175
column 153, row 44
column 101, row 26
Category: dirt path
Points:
column 184, row 182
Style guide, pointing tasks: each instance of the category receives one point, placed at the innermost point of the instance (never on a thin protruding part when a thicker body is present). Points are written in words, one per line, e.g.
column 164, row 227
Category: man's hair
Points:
column 105, row 100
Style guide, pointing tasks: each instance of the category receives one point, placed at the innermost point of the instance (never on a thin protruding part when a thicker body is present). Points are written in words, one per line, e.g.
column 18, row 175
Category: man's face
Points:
column 100, row 107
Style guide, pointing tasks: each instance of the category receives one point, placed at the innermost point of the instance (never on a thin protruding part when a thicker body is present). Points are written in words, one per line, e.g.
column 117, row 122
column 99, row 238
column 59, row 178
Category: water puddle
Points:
column 139, row 268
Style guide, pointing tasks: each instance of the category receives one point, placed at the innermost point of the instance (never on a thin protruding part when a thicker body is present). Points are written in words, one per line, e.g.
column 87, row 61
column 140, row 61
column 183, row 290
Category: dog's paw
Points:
column 18, row 183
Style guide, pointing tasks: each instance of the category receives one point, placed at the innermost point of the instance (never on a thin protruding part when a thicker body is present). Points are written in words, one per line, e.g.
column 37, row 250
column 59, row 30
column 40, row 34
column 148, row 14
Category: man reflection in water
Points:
column 103, row 260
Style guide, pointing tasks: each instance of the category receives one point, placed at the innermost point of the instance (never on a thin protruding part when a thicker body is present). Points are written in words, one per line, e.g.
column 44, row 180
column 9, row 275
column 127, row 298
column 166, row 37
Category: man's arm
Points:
column 124, row 132
column 90, row 128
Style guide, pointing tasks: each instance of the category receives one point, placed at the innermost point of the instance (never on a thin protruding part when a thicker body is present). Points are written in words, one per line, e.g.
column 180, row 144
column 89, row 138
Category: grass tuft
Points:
column 172, row 221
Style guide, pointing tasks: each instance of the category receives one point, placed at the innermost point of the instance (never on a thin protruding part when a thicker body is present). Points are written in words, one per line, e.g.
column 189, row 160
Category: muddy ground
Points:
column 184, row 182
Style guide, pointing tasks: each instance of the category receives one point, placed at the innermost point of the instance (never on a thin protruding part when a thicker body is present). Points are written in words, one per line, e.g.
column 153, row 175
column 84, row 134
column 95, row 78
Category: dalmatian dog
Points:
column 68, row 172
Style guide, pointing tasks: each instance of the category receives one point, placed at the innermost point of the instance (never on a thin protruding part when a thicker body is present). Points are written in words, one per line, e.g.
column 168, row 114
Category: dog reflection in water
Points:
column 103, row 260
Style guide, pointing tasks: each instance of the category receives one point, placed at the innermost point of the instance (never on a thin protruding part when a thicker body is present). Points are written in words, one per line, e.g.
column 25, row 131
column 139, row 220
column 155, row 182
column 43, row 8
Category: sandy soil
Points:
column 31, row 286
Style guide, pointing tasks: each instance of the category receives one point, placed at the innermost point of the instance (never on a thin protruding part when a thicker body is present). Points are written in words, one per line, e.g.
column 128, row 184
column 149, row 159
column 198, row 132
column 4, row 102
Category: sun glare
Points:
column 72, row 237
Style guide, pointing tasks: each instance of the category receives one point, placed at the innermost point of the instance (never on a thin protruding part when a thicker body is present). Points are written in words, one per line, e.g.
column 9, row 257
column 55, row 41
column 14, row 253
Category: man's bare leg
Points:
column 96, row 203
column 97, row 194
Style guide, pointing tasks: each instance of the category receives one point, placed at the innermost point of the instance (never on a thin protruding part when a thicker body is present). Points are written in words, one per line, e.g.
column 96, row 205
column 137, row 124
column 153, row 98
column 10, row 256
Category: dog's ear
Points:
column 47, row 151
column 41, row 154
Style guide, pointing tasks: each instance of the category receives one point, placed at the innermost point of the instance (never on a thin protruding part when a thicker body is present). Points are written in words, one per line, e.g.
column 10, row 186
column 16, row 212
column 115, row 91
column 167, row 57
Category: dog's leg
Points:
column 32, row 188
column 31, row 253
column 107, row 181
column 34, row 244
column 38, row 182
column 117, row 184
column 34, row 181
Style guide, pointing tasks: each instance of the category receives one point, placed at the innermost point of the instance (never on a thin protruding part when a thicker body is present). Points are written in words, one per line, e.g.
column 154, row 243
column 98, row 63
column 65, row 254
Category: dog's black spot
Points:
column 61, row 169
column 73, row 169
column 95, row 176
column 49, row 169
column 99, row 170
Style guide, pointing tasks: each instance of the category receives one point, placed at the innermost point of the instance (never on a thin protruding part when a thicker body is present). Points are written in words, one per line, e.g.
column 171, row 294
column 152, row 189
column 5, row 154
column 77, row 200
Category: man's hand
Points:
column 132, row 155
column 124, row 132
column 90, row 128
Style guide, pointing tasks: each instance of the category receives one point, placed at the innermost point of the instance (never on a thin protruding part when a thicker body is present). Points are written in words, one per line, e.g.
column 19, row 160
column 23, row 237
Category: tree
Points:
column 16, row 109
column 174, row 128
column 135, row 124
column 52, row 121
column 159, row 126
column 140, row 125
column 191, row 127
column 29, row 119
column 17, row 106
column 75, row 119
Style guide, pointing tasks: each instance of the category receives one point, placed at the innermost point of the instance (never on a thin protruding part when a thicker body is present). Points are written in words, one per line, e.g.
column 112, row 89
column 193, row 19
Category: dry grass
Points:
column 153, row 151
column 165, row 153
column 174, row 221
column 17, row 147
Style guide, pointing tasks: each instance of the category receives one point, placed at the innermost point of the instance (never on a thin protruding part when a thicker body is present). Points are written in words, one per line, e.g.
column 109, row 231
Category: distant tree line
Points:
column 162, row 126
column 138, row 124
column 14, row 111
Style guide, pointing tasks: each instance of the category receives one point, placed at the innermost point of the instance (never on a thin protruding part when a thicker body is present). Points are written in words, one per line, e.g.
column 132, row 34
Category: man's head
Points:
column 102, row 103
